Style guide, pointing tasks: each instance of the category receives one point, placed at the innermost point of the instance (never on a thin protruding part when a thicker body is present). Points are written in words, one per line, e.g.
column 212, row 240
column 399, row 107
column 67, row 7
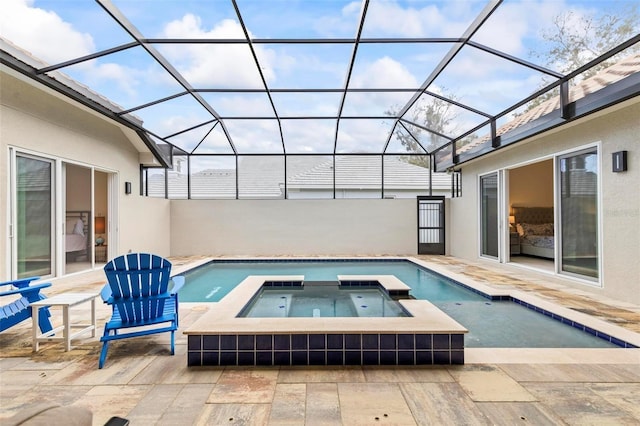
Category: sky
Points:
column 60, row 30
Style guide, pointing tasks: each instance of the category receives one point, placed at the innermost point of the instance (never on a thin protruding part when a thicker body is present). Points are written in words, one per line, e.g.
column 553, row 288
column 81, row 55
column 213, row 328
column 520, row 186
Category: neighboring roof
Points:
column 549, row 109
column 263, row 177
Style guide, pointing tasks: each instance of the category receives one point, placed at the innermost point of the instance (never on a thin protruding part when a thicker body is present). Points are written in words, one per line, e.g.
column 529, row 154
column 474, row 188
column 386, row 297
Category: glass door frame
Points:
column 57, row 209
column 500, row 220
column 14, row 154
column 558, row 157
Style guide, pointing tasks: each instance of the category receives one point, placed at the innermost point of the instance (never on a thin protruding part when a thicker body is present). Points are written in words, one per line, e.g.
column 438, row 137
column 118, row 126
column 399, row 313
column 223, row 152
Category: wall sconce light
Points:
column 619, row 161
column 127, row 187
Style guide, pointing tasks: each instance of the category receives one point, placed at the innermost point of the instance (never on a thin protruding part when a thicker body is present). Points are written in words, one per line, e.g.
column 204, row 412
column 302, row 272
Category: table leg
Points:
column 93, row 317
column 35, row 312
column 67, row 326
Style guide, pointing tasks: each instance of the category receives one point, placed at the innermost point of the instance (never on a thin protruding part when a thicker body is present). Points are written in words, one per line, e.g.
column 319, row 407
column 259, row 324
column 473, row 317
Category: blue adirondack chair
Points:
column 19, row 309
column 142, row 301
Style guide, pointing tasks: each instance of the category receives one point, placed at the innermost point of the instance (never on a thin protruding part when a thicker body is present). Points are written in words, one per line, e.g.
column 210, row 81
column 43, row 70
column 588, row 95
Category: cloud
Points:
column 220, row 65
column 42, row 33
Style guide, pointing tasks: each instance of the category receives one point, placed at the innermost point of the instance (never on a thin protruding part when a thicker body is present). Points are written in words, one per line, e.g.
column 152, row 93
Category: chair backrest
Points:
column 135, row 280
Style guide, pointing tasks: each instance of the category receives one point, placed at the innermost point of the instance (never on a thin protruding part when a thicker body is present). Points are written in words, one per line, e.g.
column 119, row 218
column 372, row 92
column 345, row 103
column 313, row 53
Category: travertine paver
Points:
column 488, row 383
column 441, row 403
column 187, row 406
column 373, row 403
column 288, row 406
column 234, row 414
column 323, row 405
column 578, row 404
column 518, row 413
column 402, row 374
column 245, row 385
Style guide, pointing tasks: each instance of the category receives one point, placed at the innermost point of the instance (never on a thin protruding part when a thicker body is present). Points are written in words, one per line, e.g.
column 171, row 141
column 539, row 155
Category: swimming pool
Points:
column 491, row 323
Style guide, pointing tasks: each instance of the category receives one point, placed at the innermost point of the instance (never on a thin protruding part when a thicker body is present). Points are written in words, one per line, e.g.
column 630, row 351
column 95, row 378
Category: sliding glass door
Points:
column 489, row 215
column 578, row 191
column 33, row 226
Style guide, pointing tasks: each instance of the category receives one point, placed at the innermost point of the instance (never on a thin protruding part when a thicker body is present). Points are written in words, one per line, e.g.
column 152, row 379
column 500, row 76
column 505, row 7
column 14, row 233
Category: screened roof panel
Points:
column 363, row 135
column 310, row 136
column 173, row 116
column 131, row 77
column 487, row 82
column 374, row 104
column 304, row 66
column 240, row 104
column 306, row 104
column 276, row 77
column 180, row 19
column 421, row 18
column 253, row 136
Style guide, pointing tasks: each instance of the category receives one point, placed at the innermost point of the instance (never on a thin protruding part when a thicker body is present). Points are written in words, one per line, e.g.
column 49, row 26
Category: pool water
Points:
column 321, row 301
column 491, row 324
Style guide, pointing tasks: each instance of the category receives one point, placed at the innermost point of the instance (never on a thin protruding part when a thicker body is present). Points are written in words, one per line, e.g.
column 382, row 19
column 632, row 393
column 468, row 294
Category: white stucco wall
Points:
column 615, row 130
column 40, row 123
column 293, row 227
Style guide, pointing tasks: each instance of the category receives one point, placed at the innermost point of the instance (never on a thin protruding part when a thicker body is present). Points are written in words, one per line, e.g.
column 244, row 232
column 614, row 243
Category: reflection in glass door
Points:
column 489, row 215
column 34, row 218
column 579, row 213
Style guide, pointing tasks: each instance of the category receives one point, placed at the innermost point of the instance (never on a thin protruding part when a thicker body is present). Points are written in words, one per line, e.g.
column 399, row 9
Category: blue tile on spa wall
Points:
column 264, row 342
column 210, row 342
column 210, row 358
column 264, row 358
column 387, row 341
column 317, row 358
column 299, row 358
column 335, row 341
column 388, row 358
column 299, row 341
column 441, row 341
column 335, row 358
column 370, row 341
column 194, row 358
column 457, row 341
column 370, row 358
column 316, row 341
column 282, row 358
column 246, row 358
column 246, row 342
column 423, row 341
column 229, row 342
column 406, row 341
column 441, row 357
column 282, row 342
column 424, row 357
column 194, row 342
column 457, row 357
column 228, row 358
column 352, row 341
column 406, row 358
column 352, row 358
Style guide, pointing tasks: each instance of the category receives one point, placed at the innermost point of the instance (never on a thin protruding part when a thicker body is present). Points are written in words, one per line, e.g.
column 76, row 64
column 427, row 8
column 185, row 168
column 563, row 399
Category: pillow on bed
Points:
column 525, row 229
column 79, row 227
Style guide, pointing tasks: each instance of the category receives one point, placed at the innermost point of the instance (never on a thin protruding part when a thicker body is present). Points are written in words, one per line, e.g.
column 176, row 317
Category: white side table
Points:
column 65, row 301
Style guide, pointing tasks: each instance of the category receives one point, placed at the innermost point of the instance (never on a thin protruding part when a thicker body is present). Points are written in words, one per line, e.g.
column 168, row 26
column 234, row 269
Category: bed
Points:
column 77, row 227
column 535, row 230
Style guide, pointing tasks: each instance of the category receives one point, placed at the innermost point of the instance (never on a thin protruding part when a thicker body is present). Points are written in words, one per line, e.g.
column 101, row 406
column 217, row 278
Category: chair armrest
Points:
column 106, row 294
column 26, row 290
column 178, row 282
column 23, row 282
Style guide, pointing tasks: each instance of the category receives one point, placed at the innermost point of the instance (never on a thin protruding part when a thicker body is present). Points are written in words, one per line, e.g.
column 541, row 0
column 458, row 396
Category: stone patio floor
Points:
column 143, row 383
